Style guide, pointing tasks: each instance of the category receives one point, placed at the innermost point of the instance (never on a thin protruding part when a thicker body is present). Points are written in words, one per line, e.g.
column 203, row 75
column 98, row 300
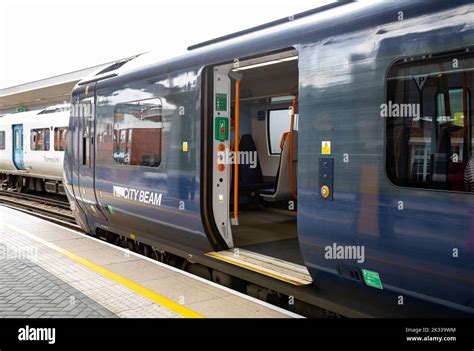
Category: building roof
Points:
column 43, row 92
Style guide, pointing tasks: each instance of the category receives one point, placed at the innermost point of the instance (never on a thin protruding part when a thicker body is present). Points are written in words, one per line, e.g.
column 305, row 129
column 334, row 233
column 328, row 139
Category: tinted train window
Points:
column 429, row 122
column 2, row 140
column 40, row 139
column 278, row 123
column 137, row 133
column 60, row 135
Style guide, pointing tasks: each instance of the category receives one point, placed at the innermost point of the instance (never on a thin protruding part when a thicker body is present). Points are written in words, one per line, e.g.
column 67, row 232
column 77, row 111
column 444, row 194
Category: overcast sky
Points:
column 43, row 39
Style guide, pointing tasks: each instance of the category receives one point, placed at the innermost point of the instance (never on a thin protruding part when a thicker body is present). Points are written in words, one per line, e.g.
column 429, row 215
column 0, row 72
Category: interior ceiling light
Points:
column 267, row 63
column 282, row 98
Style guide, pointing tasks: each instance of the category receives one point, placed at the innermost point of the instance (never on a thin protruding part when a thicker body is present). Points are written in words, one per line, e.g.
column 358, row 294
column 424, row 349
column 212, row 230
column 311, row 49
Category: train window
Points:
column 429, row 122
column 278, row 124
column 2, row 140
column 40, row 139
column 60, row 134
column 137, row 133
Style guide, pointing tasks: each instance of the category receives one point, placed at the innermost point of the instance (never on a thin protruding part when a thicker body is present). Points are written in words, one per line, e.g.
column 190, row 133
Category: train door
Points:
column 255, row 164
column 17, row 130
column 86, row 153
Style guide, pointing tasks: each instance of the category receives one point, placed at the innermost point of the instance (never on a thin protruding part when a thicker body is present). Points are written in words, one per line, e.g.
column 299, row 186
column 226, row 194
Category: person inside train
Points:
column 469, row 174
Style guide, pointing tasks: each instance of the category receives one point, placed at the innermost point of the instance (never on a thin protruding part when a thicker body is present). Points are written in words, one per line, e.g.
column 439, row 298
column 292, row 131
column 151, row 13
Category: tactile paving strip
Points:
column 29, row 291
column 116, row 298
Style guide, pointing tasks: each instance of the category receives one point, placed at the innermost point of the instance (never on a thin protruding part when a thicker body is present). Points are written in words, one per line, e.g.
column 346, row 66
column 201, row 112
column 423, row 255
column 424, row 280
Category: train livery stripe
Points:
column 149, row 294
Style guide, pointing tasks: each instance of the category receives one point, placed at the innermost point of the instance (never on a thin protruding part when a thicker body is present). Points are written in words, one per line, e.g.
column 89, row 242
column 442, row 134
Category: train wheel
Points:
column 158, row 255
column 147, row 251
column 122, row 242
column 19, row 185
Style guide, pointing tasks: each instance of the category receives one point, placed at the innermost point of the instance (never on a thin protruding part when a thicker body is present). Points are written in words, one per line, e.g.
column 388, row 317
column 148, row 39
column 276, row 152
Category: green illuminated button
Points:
column 372, row 279
column 221, row 128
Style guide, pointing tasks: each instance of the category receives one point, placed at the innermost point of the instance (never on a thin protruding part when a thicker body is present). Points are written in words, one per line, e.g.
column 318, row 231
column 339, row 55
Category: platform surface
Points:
column 47, row 271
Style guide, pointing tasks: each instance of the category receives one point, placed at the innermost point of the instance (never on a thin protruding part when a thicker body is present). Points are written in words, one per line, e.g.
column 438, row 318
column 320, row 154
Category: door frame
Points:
column 86, row 163
column 19, row 165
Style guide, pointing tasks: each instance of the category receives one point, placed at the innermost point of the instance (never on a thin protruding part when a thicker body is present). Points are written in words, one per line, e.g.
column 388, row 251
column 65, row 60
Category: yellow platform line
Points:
column 149, row 294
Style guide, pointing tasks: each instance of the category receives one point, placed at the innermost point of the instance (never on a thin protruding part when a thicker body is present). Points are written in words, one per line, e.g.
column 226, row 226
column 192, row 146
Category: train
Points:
column 322, row 159
column 32, row 146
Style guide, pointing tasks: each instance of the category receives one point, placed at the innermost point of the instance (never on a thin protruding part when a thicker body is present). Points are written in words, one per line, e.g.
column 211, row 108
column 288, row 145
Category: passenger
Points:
column 469, row 175
column 469, row 186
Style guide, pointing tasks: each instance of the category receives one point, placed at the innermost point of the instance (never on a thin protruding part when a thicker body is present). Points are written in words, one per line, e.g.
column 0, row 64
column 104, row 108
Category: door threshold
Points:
column 270, row 266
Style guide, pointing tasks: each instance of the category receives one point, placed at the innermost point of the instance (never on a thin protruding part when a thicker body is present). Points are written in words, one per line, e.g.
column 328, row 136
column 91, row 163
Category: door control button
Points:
column 325, row 191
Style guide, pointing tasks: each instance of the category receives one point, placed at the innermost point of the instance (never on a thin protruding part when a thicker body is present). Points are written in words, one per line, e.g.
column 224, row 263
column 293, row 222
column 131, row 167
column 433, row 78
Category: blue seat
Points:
column 251, row 179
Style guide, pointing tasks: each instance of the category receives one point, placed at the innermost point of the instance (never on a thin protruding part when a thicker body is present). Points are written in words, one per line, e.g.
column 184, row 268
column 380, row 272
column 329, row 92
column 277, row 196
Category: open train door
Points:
column 252, row 107
column 84, row 108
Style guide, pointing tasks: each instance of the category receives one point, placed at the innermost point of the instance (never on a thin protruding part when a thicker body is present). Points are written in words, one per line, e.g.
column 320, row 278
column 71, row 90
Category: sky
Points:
column 43, row 39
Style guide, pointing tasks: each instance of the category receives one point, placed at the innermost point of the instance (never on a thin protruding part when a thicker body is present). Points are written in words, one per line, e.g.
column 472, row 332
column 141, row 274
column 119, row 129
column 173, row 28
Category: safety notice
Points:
column 326, row 148
column 222, row 128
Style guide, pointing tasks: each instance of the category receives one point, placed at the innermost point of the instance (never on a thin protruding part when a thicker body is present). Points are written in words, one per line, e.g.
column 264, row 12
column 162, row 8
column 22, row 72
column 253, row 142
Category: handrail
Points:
column 236, row 153
column 292, row 123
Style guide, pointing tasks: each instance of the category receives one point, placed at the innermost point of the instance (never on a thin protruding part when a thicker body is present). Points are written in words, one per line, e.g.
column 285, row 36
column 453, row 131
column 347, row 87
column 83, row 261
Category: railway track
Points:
column 56, row 211
column 41, row 199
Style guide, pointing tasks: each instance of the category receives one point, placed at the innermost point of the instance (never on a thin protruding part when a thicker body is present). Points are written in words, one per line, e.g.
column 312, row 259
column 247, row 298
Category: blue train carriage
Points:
column 352, row 127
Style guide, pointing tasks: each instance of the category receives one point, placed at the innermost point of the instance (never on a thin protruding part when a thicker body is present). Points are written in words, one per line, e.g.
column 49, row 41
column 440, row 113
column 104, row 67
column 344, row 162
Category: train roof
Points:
column 141, row 61
column 319, row 23
column 62, row 110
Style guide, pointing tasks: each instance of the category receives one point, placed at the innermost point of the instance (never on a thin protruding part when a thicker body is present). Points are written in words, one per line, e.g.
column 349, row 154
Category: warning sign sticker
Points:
column 421, row 81
column 326, row 148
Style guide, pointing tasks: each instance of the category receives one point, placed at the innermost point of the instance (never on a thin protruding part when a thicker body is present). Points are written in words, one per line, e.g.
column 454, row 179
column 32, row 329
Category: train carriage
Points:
column 32, row 148
column 328, row 152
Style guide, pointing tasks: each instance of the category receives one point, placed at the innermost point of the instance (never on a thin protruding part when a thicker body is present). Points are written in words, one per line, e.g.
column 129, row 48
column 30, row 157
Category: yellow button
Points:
column 325, row 191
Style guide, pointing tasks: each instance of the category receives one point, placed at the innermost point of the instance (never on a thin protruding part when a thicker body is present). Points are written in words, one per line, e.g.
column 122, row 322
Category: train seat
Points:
column 251, row 179
column 283, row 182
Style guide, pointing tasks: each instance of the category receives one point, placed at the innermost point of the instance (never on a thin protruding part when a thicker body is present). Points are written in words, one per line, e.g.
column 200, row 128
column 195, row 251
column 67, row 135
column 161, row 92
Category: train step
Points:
column 273, row 267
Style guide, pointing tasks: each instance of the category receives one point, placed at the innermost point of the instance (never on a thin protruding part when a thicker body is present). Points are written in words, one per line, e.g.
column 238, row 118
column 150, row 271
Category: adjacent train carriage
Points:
column 330, row 152
column 32, row 148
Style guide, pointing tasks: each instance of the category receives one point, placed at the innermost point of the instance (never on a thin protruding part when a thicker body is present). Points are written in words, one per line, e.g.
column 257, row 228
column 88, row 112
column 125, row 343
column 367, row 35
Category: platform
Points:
column 47, row 271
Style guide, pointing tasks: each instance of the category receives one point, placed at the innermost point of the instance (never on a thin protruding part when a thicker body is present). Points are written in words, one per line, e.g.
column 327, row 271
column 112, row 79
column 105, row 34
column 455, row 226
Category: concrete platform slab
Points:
column 50, row 271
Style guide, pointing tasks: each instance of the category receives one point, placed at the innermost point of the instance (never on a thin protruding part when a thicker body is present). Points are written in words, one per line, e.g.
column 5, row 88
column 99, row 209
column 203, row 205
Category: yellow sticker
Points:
column 185, row 146
column 326, row 148
column 87, row 90
column 458, row 119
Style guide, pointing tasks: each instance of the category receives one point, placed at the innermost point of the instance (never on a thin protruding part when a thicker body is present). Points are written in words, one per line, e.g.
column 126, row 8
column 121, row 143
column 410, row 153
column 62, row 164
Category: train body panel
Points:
column 33, row 144
column 7, row 145
column 44, row 158
column 415, row 243
column 145, row 200
column 411, row 236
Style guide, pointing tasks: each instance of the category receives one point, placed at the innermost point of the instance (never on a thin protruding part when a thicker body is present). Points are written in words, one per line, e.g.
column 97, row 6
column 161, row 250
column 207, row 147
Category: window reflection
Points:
column 138, row 132
column 2, row 140
column 431, row 149
column 60, row 135
column 39, row 139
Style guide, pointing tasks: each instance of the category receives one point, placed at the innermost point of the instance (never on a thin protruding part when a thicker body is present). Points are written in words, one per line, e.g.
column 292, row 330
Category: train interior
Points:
column 264, row 119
